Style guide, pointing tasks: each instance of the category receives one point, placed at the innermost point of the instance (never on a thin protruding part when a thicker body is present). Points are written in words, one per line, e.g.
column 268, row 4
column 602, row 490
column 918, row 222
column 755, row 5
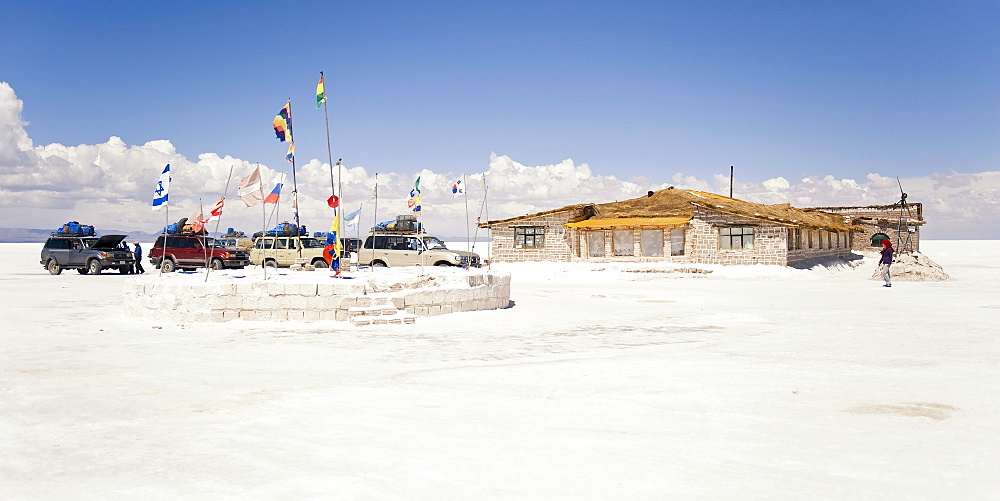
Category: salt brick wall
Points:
column 861, row 241
column 179, row 300
column 559, row 242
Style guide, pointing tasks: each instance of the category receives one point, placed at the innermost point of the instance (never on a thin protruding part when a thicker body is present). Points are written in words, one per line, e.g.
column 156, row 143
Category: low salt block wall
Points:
column 312, row 296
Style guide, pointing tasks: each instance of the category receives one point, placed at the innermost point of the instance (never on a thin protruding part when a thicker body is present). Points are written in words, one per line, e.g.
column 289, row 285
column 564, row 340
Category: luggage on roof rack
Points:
column 74, row 228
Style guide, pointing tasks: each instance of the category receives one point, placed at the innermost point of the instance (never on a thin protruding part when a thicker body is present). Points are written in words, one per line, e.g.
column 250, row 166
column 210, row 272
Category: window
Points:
column 529, row 237
column 623, row 243
column 809, row 237
column 595, row 243
column 651, row 243
column 677, row 242
column 56, row 243
column 736, row 238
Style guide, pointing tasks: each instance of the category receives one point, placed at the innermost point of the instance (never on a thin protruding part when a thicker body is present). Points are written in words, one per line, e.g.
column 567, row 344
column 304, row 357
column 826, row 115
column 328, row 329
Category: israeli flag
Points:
column 162, row 187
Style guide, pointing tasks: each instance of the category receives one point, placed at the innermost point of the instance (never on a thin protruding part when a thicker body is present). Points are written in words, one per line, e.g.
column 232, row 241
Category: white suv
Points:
column 412, row 249
column 282, row 251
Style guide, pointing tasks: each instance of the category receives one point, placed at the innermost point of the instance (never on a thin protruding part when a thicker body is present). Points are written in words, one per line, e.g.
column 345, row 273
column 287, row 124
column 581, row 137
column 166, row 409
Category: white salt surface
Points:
column 746, row 383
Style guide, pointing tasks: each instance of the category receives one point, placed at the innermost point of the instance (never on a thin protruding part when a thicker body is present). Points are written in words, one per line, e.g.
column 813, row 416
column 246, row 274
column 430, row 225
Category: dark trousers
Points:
column 138, row 267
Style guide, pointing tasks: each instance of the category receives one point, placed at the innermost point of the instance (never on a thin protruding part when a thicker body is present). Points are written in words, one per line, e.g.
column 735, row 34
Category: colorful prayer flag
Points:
column 283, row 123
column 162, row 189
column 249, row 189
column 320, row 92
column 290, row 156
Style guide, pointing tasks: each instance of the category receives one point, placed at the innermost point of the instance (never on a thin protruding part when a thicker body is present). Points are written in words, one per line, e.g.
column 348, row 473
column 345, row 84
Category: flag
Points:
column 197, row 219
column 216, row 213
column 351, row 220
column 334, row 228
column 290, row 156
column 283, row 123
column 196, row 216
column 162, row 188
column 333, row 201
column 458, row 188
column 272, row 198
column 320, row 91
column 416, row 184
column 249, row 189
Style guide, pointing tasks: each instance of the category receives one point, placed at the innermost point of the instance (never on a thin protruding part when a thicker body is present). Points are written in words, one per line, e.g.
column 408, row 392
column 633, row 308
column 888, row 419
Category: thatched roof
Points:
column 675, row 203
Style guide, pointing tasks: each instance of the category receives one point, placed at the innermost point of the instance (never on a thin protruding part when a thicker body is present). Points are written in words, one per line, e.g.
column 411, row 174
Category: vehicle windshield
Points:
column 89, row 242
column 433, row 243
column 312, row 243
column 210, row 242
column 224, row 242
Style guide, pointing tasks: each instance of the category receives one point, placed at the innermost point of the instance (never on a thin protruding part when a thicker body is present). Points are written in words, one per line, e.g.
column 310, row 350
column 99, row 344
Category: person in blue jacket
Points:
column 137, row 254
column 886, row 261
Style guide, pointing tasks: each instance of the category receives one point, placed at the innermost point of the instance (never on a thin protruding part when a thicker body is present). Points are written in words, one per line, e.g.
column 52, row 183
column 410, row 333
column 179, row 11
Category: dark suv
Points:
column 194, row 251
column 86, row 254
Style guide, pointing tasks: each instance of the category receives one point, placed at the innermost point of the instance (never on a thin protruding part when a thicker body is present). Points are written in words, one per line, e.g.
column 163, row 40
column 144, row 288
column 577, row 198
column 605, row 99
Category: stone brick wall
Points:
column 560, row 244
column 770, row 244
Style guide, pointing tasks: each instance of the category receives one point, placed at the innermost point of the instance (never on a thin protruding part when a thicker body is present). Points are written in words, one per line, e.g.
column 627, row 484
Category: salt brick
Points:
column 296, row 315
column 275, row 288
column 434, row 310
column 421, row 310
column 342, row 315
column 312, row 315
column 307, row 289
column 297, row 302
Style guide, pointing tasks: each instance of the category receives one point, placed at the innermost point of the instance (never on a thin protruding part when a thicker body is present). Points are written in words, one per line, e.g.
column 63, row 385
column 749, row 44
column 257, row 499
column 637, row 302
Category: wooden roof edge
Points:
column 793, row 223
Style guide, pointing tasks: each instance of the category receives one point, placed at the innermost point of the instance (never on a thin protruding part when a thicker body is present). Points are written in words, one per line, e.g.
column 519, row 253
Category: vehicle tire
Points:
column 442, row 263
column 82, row 271
column 168, row 266
column 379, row 264
column 124, row 270
column 155, row 263
column 271, row 263
column 53, row 267
column 320, row 263
column 216, row 264
column 94, row 267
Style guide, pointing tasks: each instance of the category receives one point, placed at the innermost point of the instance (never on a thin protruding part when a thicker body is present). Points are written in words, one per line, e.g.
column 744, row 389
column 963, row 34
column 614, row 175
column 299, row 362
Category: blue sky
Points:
column 650, row 93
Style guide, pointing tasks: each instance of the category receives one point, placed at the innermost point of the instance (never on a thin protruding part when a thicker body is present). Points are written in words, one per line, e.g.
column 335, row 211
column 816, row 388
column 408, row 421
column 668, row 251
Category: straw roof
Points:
column 675, row 203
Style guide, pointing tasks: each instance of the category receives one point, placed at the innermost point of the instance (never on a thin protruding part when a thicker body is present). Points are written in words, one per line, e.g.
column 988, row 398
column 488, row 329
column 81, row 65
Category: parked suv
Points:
column 282, row 251
column 411, row 249
column 86, row 254
column 194, row 251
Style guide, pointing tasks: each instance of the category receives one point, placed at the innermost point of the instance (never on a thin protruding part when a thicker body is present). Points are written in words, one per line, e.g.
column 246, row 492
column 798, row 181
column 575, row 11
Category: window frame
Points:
column 529, row 237
column 746, row 236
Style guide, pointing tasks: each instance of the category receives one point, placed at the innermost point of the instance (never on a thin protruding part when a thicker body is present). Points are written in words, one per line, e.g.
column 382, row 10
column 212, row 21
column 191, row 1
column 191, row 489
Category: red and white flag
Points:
column 216, row 213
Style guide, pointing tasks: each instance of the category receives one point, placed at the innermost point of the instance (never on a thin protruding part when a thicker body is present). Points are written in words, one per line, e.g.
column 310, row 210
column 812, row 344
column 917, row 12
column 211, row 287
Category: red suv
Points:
column 188, row 252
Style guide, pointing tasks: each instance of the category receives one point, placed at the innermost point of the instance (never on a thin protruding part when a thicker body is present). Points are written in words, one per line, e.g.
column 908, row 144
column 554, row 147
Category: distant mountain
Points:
column 30, row 235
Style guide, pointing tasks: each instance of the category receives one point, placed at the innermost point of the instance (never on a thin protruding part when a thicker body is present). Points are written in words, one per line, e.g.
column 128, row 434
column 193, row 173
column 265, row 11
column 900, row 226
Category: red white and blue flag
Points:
column 458, row 188
column 272, row 198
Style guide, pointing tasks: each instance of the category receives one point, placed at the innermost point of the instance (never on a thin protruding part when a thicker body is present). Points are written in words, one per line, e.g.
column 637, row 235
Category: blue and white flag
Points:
column 351, row 220
column 162, row 187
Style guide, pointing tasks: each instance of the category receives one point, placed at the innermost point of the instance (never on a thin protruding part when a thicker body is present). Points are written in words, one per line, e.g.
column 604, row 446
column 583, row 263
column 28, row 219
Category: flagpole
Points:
column 295, row 186
column 218, row 222
column 375, row 216
column 486, row 204
column 465, row 191
column 166, row 219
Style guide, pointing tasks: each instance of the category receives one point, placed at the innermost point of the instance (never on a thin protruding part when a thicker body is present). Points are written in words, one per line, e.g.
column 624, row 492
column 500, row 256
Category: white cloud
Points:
column 110, row 186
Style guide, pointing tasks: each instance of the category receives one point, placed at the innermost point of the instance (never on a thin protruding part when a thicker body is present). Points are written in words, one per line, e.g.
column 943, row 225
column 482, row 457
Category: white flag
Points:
column 352, row 219
column 249, row 189
column 458, row 188
column 162, row 187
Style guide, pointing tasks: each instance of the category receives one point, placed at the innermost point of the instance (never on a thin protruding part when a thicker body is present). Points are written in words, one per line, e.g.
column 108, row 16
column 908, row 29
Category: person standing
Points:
column 886, row 261
column 137, row 254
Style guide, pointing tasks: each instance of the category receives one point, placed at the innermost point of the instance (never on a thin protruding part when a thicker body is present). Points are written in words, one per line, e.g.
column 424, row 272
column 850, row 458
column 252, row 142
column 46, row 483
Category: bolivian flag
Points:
column 320, row 91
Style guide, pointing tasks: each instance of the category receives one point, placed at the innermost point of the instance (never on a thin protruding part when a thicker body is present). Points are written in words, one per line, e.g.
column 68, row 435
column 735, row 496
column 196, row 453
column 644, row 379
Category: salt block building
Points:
column 898, row 222
column 683, row 226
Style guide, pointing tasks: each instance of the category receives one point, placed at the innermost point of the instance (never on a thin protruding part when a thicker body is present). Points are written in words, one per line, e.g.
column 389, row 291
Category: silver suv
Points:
column 86, row 254
column 388, row 248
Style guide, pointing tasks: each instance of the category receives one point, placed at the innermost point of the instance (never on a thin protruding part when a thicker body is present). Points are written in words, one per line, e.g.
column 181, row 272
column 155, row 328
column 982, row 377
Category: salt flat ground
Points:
column 599, row 382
